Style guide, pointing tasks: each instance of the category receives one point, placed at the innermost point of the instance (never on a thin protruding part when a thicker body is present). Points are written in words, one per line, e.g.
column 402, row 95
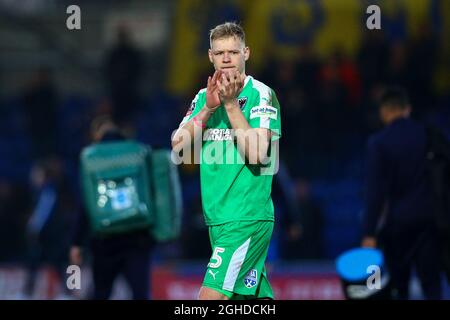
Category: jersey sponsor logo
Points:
column 242, row 102
column 264, row 111
column 218, row 135
column 251, row 279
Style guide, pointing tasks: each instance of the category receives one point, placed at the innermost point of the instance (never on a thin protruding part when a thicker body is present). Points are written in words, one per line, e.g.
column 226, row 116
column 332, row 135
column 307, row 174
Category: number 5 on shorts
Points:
column 216, row 257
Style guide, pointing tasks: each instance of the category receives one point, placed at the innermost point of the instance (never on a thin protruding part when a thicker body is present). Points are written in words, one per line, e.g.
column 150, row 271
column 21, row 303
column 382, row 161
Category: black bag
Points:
column 438, row 159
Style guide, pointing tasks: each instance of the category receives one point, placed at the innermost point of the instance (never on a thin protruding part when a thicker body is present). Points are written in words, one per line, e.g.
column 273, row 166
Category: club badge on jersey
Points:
column 191, row 109
column 242, row 101
column 251, row 279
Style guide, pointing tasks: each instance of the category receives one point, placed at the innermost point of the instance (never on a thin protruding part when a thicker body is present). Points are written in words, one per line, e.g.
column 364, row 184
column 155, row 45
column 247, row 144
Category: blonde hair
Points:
column 225, row 30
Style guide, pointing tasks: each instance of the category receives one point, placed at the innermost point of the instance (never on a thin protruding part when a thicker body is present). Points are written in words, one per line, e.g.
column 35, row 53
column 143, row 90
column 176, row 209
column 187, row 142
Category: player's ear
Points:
column 246, row 53
column 210, row 55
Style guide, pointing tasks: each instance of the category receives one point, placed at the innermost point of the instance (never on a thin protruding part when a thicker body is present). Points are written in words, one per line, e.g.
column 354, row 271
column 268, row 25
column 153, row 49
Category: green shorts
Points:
column 236, row 268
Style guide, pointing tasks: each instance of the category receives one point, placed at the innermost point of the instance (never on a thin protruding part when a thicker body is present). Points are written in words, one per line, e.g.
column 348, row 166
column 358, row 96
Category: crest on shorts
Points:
column 242, row 101
column 251, row 279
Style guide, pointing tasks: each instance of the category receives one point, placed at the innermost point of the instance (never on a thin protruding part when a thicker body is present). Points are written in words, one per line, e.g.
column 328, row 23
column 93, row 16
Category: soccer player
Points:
column 237, row 118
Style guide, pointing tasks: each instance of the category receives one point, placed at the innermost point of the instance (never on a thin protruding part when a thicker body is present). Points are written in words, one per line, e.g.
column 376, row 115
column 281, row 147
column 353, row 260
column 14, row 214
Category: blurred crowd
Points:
column 329, row 107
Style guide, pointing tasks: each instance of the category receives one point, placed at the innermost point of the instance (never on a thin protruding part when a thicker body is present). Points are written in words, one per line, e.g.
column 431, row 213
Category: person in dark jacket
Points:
column 125, row 253
column 399, row 217
column 46, row 229
column 123, row 73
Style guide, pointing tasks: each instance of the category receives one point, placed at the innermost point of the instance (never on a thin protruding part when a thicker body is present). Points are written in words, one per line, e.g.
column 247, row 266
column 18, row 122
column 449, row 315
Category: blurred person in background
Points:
column 126, row 253
column 304, row 232
column 399, row 217
column 236, row 197
column 40, row 101
column 123, row 72
column 14, row 212
column 48, row 228
column 372, row 55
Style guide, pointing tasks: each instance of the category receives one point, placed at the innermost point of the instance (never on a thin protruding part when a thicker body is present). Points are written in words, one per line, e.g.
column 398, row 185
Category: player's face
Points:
column 229, row 54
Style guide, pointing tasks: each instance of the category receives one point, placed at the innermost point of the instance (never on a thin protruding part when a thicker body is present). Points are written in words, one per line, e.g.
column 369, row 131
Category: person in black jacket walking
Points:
column 399, row 217
column 125, row 253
